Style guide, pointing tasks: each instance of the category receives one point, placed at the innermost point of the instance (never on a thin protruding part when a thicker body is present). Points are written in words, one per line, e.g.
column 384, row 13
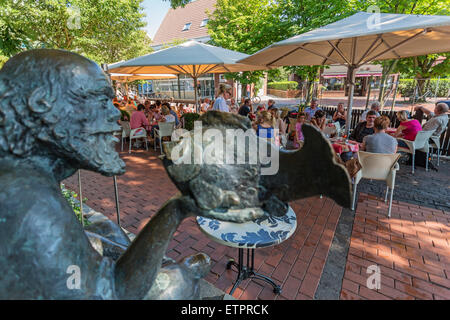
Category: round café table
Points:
column 340, row 145
column 263, row 232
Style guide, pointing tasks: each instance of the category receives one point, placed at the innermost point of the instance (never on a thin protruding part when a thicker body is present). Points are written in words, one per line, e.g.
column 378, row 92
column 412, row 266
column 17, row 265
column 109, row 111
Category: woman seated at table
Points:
column 380, row 141
column 319, row 120
column 265, row 127
column 167, row 115
column 340, row 115
column 408, row 128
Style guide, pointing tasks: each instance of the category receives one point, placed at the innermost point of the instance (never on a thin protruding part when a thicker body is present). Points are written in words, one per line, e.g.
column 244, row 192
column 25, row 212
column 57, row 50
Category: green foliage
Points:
column 106, row 31
column 125, row 116
column 70, row 197
column 250, row 25
column 418, row 67
column 283, row 85
column 189, row 119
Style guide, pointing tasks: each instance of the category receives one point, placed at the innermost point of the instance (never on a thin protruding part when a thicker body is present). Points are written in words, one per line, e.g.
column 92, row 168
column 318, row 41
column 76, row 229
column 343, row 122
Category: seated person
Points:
column 311, row 110
column 374, row 107
column 408, row 128
column 439, row 118
column 138, row 118
column 340, row 115
column 172, row 112
column 319, row 120
column 167, row 116
column 364, row 128
column 245, row 109
column 380, row 141
column 265, row 129
column 205, row 105
column 301, row 118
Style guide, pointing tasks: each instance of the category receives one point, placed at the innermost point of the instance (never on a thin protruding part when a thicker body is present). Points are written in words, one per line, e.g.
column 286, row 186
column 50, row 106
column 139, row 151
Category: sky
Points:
column 156, row 11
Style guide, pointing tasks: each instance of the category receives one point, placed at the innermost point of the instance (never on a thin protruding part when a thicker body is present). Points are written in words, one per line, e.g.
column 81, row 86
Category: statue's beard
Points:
column 97, row 152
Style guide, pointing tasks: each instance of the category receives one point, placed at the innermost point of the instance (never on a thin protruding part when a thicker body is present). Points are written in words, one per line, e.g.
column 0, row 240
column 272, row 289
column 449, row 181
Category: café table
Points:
column 340, row 145
column 260, row 233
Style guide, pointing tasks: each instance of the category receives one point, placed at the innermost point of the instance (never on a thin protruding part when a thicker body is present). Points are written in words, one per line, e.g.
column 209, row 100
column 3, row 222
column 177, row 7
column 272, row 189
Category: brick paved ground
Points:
column 420, row 271
column 412, row 249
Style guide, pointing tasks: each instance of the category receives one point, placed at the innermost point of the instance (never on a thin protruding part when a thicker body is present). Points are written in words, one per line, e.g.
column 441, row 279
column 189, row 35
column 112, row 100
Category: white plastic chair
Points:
column 420, row 143
column 126, row 129
column 138, row 133
column 436, row 144
column 165, row 130
column 377, row 166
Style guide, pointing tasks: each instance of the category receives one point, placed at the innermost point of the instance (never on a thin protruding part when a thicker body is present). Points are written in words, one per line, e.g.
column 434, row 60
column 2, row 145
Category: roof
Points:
column 172, row 26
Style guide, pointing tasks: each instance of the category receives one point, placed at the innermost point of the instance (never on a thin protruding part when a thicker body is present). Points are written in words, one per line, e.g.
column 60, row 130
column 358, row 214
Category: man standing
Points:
column 375, row 107
column 221, row 102
column 270, row 104
column 311, row 110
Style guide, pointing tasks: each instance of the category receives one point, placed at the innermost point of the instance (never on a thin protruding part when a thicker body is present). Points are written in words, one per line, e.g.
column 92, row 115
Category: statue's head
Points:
column 58, row 104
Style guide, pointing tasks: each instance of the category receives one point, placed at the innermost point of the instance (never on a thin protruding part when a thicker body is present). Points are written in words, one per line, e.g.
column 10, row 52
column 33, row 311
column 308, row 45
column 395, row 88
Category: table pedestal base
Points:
column 247, row 271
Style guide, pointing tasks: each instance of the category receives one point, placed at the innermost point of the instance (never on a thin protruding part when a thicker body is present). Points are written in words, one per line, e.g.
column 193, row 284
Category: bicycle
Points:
column 256, row 100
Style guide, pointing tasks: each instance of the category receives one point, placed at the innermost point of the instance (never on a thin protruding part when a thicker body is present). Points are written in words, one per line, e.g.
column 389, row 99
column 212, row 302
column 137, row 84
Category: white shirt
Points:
column 220, row 105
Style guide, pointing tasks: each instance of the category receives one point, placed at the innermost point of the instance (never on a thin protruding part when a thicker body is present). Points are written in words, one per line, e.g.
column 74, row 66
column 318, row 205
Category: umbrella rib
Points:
column 354, row 43
column 210, row 69
column 319, row 54
column 331, row 51
column 182, row 69
column 226, row 69
column 174, row 69
column 370, row 48
column 397, row 45
column 387, row 45
column 339, row 52
column 283, row 56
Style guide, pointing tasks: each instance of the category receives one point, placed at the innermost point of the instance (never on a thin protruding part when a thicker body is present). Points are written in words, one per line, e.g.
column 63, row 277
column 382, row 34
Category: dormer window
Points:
column 187, row 26
column 204, row 22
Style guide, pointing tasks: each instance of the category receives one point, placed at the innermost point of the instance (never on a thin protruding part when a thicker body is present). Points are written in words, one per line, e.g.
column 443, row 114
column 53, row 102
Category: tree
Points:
column 421, row 67
column 104, row 30
column 250, row 25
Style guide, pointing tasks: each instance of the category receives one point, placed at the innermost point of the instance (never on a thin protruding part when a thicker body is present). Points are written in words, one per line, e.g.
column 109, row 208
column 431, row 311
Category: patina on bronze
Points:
column 56, row 116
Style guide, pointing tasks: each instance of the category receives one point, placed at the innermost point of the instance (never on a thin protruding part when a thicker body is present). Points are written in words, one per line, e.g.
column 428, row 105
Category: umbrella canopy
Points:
column 192, row 58
column 123, row 77
column 359, row 39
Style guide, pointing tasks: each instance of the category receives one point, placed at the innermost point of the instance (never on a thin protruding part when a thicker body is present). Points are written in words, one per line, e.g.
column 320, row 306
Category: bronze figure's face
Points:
column 59, row 106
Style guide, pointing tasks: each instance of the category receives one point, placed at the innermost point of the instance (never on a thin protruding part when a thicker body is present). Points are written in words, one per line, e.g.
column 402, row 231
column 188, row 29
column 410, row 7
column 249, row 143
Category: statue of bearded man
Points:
column 57, row 116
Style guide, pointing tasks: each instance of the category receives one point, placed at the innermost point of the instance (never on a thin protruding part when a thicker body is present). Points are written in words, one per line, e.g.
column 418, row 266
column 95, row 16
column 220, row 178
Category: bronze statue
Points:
column 57, row 116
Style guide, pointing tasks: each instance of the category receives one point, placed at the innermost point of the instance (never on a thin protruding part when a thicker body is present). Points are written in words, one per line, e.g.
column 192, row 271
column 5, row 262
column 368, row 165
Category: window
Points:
column 204, row 22
column 187, row 26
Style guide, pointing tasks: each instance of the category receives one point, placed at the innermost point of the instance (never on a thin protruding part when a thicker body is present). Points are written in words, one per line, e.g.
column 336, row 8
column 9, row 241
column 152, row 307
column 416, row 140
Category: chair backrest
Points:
column 377, row 166
column 138, row 133
column 166, row 128
column 126, row 129
column 422, row 138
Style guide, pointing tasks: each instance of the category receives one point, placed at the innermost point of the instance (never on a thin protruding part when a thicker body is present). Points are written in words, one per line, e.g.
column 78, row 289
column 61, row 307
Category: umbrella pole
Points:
column 195, row 93
column 351, row 83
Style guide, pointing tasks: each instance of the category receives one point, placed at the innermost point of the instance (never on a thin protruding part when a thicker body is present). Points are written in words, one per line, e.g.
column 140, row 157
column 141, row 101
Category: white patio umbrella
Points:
column 359, row 39
column 192, row 58
column 124, row 77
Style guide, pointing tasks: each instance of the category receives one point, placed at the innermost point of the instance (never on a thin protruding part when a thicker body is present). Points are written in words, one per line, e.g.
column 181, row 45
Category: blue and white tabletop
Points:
column 263, row 232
